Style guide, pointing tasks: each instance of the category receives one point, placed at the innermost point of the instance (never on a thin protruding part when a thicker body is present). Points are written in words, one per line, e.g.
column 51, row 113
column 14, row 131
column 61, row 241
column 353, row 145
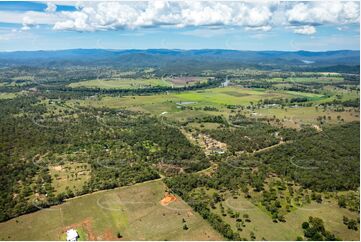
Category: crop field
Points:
column 135, row 212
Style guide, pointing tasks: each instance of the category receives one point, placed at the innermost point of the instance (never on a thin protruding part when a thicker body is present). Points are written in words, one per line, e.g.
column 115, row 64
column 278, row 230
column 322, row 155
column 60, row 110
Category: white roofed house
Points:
column 71, row 235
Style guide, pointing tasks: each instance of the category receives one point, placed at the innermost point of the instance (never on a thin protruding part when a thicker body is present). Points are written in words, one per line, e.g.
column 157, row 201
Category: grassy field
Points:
column 170, row 105
column 237, row 96
column 323, row 79
column 294, row 117
column 264, row 229
column 72, row 175
column 122, row 83
column 135, row 212
column 216, row 97
column 4, row 95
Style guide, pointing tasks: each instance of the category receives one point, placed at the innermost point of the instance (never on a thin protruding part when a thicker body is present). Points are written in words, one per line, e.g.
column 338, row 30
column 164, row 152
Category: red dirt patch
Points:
column 168, row 198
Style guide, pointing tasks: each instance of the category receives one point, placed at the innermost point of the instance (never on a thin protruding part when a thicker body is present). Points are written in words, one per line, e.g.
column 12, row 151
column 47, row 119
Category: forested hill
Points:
column 346, row 60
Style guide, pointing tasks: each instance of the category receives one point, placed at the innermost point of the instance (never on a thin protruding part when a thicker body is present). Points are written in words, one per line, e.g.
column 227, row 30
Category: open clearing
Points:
column 122, row 83
column 296, row 116
column 135, row 212
column 9, row 95
column 187, row 80
column 72, row 175
column 169, row 105
column 263, row 227
column 216, row 97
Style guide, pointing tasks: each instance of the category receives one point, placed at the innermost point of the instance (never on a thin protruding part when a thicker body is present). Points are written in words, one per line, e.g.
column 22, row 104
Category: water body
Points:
column 185, row 103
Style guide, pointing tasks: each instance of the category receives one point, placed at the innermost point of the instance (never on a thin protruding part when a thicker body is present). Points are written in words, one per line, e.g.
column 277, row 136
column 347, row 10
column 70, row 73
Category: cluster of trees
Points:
column 349, row 200
column 209, row 119
column 350, row 223
column 315, row 230
column 347, row 103
column 325, row 161
column 248, row 138
column 84, row 91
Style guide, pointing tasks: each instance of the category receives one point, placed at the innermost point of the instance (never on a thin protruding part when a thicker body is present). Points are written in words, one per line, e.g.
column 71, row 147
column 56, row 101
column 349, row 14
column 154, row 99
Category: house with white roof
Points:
column 71, row 235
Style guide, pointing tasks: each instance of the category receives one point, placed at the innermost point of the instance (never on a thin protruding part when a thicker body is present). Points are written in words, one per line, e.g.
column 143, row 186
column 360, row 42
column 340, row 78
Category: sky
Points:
column 159, row 24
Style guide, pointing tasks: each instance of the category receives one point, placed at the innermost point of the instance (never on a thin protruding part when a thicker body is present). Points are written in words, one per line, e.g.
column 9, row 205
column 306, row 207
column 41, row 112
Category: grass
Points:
column 216, row 97
column 294, row 117
column 72, row 175
column 323, row 79
column 5, row 95
column 263, row 227
column 230, row 96
column 122, row 83
column 166, row 105
column 134, row 212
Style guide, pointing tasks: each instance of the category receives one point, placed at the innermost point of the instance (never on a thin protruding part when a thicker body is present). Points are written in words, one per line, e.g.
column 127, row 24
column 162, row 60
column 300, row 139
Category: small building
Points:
column 71, row 235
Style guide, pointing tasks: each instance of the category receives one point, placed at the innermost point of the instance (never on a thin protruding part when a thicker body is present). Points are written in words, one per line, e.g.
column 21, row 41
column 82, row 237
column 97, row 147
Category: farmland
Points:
column 122, row 83
column 170, row 105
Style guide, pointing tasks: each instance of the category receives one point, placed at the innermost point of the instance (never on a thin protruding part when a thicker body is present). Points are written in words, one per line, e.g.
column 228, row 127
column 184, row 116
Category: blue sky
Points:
column 315, row 26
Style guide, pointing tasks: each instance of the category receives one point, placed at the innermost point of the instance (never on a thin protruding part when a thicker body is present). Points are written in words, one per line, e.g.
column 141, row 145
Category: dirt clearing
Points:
column 168, row 198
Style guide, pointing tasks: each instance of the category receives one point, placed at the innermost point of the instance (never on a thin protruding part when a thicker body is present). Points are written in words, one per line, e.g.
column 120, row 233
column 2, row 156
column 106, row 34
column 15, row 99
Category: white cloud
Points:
column 303, row 17
column 35, row 17
column 315, row 13
column 114, row 15
column 51, row 7
column 306, row 30
column 262, row 28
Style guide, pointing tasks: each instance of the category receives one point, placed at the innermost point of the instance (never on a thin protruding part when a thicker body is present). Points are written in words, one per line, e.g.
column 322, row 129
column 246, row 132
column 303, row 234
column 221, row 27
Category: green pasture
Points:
column 7, row 95
column 122, row 83
column 296, row 116
column 265, row 229
column 72, row 175
column 134, row 212
column 216, row 97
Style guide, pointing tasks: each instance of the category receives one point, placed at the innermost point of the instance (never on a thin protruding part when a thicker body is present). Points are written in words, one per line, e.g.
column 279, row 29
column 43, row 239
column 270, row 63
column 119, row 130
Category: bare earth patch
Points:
column 168, row 198
column 57, row 168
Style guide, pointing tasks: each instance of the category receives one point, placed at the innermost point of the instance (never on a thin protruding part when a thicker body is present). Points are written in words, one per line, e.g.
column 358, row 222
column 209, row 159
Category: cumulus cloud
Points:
column 306, row 30
column 316, row 13
column 114, row 15
column 51, row 7
column 301, row 17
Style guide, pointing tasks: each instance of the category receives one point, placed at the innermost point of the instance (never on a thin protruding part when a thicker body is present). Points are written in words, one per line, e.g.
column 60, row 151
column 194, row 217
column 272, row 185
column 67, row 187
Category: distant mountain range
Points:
column 182, row 59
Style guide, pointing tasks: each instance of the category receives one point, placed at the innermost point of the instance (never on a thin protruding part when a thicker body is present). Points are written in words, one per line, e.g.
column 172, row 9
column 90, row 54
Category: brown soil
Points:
column 108, row 235
column 168, row 198
column 57, row 168
column 184, row 80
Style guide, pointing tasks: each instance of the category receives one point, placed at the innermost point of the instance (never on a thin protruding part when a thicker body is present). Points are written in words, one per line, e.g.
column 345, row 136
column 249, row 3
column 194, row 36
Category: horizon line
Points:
column 176, row 49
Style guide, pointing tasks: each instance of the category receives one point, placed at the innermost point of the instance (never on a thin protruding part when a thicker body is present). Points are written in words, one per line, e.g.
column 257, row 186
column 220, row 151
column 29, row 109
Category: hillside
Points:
column 185, row 59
